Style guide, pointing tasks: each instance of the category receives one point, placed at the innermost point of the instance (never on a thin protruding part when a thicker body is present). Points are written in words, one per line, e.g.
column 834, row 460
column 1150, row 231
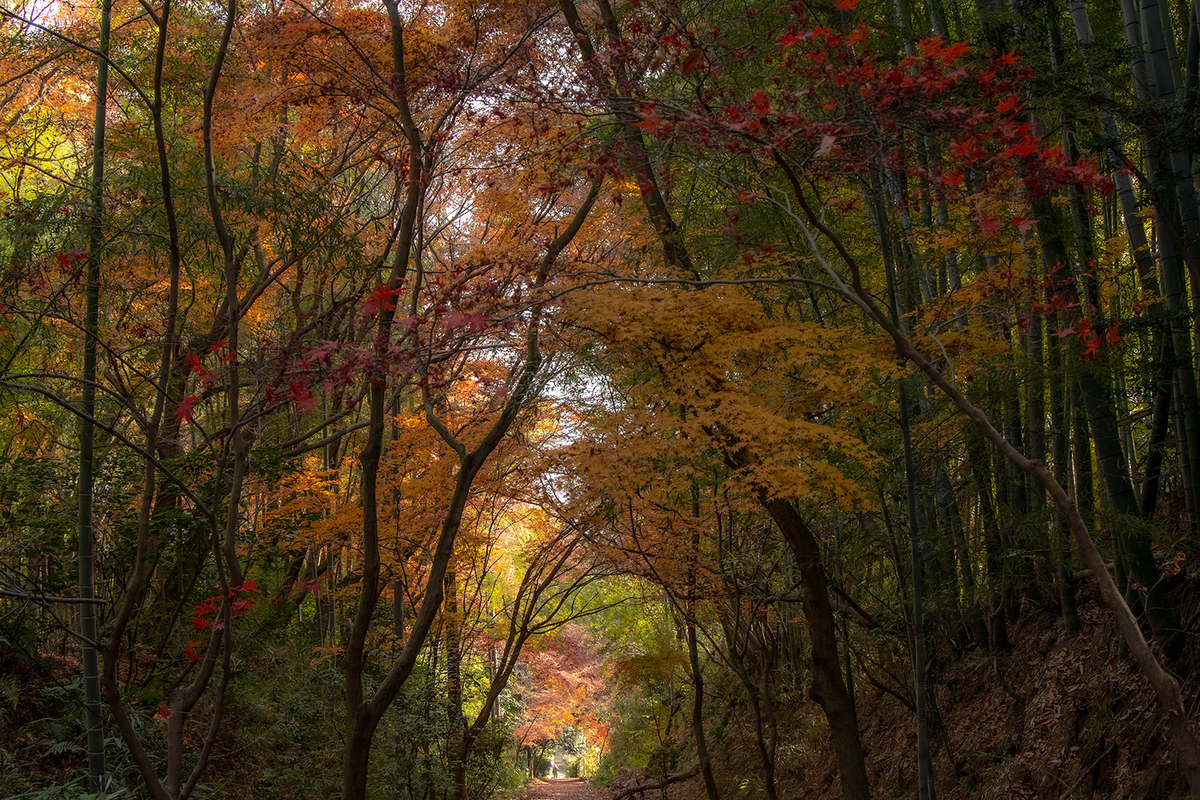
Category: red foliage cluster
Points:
column 840, row 102
column 206, row 613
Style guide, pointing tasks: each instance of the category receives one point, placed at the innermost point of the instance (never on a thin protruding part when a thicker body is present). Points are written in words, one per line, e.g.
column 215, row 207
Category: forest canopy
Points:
column 719, row 400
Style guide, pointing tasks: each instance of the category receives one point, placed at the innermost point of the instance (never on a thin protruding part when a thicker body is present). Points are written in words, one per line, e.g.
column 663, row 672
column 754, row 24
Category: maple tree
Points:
column 789, row 149
column 290, row 374
column 418, row 341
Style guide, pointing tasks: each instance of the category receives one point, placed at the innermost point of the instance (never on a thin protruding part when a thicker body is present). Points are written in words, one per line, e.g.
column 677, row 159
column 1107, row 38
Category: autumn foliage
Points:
column 446, row 388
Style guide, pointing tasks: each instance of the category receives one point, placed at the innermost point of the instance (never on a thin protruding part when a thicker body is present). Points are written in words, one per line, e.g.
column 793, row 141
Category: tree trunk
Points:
column 97, row 779
column 827, row 690
column 997, row 630
column 1059, row 444
column 702, row 754
column 452, row 638
column 1135, row 561
column 925, row 776
column 1166, row 690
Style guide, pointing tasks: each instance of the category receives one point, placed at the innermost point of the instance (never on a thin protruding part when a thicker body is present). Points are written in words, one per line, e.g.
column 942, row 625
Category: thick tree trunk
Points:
column 827, row 690
column 1160, row 423
column 764, row 737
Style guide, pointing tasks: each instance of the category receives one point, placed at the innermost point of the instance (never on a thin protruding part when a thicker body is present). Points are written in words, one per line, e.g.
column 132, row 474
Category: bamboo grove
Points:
column 395, row 394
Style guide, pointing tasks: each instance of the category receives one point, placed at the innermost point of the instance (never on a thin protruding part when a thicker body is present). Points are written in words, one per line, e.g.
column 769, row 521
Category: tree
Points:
column 808, row 139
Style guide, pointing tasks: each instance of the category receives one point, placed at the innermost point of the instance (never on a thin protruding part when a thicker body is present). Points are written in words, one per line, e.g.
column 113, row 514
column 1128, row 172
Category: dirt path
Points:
column 562, row 790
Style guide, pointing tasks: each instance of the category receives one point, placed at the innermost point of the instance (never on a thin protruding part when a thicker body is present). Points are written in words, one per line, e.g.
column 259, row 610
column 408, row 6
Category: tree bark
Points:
column 702, row 754
column 662, row 783
column 86, row 539
column 827, row 690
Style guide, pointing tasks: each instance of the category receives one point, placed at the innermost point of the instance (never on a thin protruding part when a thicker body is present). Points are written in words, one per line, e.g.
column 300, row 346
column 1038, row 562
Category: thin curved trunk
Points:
column 182, row 700
column 364, row 713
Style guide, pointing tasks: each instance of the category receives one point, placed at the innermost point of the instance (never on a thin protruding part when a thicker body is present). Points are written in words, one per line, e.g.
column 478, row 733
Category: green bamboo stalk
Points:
column 97, row 780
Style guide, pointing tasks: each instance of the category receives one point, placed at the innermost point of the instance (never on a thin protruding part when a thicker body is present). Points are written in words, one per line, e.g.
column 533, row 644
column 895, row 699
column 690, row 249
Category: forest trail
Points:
column 576, row 789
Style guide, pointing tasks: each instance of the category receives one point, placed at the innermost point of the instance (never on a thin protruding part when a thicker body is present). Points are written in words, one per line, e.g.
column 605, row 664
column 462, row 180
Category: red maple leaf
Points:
column 320, row 355
column 1027, row 147
column 183, row 411
column 457, row 319
column 1008, row 103
column 380, row 299
column 966, row 150
column 302, row 396
column 650, row 122
column 240, row 607
column 69, row 257
column 955, row 52
column 196, row 365
column 1023, row 224
column 987, row 225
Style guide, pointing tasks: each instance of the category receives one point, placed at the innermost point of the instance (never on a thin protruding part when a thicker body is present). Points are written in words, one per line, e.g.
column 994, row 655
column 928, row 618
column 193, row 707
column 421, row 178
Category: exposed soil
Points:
column 573, row 789
column 1058, row 717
